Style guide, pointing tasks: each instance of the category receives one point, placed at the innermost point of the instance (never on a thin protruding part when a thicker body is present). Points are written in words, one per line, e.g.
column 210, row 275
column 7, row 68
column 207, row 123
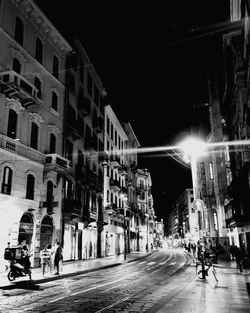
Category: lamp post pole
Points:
column 193, row 162
column 124, row 229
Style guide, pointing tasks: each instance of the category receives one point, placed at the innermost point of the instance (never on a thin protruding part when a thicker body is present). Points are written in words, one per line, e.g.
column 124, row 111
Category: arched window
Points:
column 12, row 124
column 52, row 146
column 30, row 187
column 34, row 136
column 7, row 180
column 54, row 103
column 39, row 50
column 38, row 85
column 16, row 66
column 55, row 67
column 19, row 30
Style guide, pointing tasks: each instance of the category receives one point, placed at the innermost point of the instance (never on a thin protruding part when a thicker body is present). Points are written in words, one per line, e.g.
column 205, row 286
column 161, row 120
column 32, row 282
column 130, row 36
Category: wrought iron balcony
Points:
column 98, row 124
column 115, row 161
column 93, row 214
column 57, row 163
column 15, row 85
column 123, row 170
column 114, row 185
column 84, row 106
column 50, row 204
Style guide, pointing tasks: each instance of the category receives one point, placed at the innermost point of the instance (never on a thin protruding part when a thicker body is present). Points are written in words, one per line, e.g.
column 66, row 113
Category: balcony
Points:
column 115, row 161
column 50, row 204
column 123, row 170
column 16, row 86
column 98, row 124
column 56, row 163
column 18, row 148
column 114, row 185
column 84, row 106
column 106, row 218
column 71, row 208
column 103, row 157
column 93, row 214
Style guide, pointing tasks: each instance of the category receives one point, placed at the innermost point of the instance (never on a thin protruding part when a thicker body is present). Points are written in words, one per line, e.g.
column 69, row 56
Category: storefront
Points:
column 25, row 231
column 46, row 232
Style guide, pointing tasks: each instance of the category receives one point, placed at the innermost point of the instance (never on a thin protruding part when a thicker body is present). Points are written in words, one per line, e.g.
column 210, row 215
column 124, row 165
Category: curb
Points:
column 32, row 282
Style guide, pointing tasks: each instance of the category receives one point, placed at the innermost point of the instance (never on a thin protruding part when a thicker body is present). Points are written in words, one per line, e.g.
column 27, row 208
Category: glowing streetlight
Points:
column 193, row 148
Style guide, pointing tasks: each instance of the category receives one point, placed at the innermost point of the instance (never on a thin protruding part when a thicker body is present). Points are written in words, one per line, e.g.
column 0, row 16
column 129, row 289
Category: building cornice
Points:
column 38, row 19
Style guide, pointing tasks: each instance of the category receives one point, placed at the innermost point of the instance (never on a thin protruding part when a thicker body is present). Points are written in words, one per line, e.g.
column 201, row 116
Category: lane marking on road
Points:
column 172, row 263
column 112, row 288
column 94, row 287
column 112, row 305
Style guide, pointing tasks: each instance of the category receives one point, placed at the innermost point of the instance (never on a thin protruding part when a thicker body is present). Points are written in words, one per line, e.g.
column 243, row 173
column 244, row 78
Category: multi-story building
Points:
column 145, row 205
column 132, row 144
column 115, row 186
column 235, row 112
column 32, row 78
column 83, row 146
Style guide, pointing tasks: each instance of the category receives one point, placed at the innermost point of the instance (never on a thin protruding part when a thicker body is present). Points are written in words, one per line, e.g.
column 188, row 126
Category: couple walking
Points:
column 49, row 256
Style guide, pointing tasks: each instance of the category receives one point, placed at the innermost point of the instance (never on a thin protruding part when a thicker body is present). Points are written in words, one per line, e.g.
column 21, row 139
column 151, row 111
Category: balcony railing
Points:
column 123, row 170
column 17, row 147
column 115, row 161
column 15, row 85
column 114, row 184
column 57, row 163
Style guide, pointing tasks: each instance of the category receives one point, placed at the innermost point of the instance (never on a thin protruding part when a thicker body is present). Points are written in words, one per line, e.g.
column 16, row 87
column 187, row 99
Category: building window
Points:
column 211, row 171
column 12, row 124
column 19, row 31
column 34, row 136
column 30, row 187
column 49, row 194
column 7, row 180
column 69, row 149
column 38, row 85
column 71, row 81
column 52, row 145
column 55, row 67
column 39, row 50
column 90, row 85
column 16, row 66
column 54, row 103
column 108, row 125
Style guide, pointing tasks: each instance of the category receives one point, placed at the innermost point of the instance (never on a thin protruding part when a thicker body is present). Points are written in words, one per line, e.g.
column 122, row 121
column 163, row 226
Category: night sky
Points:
column 152, row 59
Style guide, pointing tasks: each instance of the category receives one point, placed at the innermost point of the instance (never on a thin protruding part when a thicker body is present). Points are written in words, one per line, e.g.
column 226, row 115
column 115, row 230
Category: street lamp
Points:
column 193, row 149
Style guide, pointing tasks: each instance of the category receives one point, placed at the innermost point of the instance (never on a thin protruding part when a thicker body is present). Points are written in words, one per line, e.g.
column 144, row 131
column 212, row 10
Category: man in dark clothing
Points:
column 58, row 257
column 239, row 256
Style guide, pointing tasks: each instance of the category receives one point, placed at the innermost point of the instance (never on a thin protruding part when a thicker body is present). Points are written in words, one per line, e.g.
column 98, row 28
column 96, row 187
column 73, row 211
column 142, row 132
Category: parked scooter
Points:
column 17, row 270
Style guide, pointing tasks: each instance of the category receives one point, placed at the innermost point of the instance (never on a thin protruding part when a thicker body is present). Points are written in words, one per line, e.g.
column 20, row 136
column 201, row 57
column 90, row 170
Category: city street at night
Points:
column 163, row 281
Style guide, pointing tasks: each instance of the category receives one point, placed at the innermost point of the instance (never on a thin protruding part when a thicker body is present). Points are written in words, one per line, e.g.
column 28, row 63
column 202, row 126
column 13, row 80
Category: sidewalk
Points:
column 73, row 268
column 230, row 294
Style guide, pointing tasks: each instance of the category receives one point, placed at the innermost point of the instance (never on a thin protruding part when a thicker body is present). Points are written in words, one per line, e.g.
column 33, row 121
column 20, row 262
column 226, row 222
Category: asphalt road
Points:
column 140, row 286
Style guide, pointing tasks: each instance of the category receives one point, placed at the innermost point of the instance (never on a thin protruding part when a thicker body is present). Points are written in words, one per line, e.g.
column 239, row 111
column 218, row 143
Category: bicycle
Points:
column 208, row 268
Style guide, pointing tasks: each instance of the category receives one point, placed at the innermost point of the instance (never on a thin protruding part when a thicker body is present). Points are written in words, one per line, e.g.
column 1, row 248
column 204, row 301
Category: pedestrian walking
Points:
column 239, row 256
column 51, row 260
column 45, row 259
column 25, row 258
column 58, row 258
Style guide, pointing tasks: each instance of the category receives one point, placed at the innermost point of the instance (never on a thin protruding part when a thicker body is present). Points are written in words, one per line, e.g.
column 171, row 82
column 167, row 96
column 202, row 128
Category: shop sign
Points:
column 26, row 228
